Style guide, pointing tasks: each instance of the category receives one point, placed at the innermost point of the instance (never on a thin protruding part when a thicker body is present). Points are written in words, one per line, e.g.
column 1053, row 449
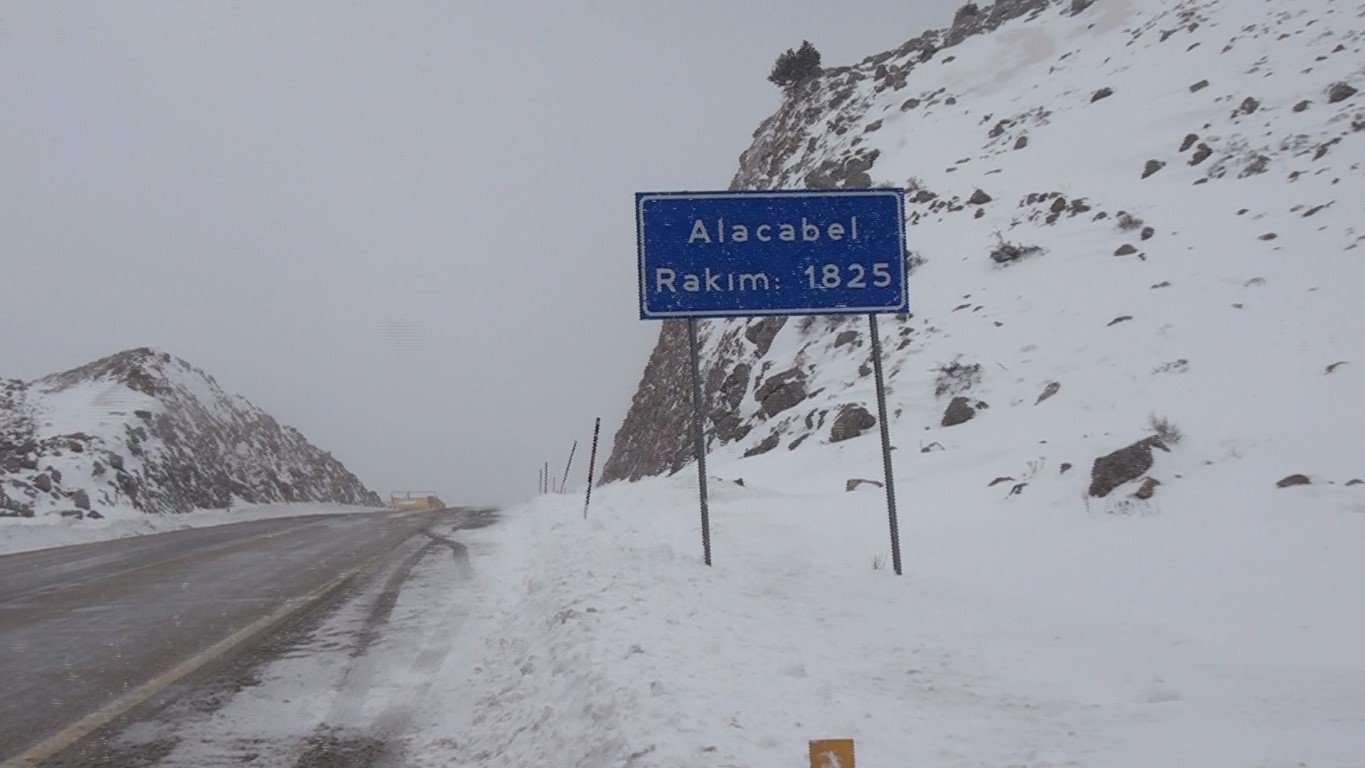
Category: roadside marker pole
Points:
column 699, row 434
column 564, row 484
column 886, row 444
column 592, row 462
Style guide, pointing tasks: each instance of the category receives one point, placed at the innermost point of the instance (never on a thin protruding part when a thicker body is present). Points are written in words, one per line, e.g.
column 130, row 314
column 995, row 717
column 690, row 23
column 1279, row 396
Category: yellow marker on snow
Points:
column 831, row 753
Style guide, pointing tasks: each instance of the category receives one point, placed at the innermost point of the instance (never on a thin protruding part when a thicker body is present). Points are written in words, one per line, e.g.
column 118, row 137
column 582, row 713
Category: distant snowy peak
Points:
column 1133, row 207
column 142, row 370
column 143, row 430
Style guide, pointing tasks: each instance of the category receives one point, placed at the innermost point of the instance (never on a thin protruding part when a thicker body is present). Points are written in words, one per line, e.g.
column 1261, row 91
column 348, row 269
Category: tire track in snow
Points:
column 344, row 740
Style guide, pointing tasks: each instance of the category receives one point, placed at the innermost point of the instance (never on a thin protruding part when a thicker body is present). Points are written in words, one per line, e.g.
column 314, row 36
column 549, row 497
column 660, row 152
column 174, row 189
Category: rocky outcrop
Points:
column 854, row 483
column 959, row 411
column 1147, row 490
column 1340, row 92
column 852, row 421
column 156, row 434
column 1289, row 481
column 1052, row 388
column 654, row 439
column 864, row 124
column 781, row 157
column 655, row 436
column 762, row 332
column 1122, row 466
column 781, row 392
column 770, row 442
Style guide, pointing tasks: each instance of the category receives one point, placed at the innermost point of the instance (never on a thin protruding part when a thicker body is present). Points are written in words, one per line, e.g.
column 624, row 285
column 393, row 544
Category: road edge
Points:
column 72, row 734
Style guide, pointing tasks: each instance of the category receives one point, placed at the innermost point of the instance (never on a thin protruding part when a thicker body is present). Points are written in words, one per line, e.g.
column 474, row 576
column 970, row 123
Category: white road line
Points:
column 84, row 579
column 82, row 728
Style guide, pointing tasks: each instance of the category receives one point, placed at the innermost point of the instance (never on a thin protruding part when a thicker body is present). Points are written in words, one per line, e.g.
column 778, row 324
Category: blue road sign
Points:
column 802, row 252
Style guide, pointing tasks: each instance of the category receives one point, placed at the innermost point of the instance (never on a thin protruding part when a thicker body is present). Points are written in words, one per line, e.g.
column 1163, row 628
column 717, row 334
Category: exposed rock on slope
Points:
column 992, row 129
column 146, row 431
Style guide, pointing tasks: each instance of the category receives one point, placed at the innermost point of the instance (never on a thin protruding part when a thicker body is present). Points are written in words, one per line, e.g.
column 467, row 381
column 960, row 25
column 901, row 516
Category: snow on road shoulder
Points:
column 379, row 676
column 1038, row 635
column 27, row 534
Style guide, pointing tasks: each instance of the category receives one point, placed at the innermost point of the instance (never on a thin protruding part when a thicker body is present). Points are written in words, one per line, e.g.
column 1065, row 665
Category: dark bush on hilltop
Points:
column 795, row 66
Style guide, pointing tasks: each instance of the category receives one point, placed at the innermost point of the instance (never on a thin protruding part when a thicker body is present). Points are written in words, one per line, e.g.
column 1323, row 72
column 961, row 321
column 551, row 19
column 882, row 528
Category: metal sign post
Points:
column 886, row 444
column 790, row 252
column 699, row 435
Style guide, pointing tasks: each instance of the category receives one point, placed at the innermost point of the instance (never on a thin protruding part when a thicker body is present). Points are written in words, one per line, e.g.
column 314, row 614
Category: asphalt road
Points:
column 84, row 628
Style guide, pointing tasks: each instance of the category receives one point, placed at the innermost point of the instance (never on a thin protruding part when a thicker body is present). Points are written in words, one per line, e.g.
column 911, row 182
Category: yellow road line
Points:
column 87, row 725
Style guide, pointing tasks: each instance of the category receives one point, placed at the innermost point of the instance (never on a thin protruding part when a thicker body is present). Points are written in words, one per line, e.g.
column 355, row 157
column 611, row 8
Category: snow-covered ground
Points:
column 1190, row 171
column 1220, row 622
column 1223, row 631
column 26, row 534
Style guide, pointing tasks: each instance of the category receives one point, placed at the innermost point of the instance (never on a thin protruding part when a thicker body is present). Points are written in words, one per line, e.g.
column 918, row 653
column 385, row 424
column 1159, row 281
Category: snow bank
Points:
column 1216, row 630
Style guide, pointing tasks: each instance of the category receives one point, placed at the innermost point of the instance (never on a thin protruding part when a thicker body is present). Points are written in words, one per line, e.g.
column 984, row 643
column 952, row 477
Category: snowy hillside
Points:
column 1122, row 215
column 1035, row 639
column 142, row 431
column 1126, row 413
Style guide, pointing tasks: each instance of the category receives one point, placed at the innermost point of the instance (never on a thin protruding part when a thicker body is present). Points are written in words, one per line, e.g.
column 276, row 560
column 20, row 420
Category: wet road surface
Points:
column 84, row 628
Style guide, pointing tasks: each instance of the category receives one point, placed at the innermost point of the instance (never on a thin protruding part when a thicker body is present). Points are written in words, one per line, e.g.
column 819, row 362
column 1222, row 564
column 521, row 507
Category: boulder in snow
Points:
column 762, row 332
column 1340, row 92
column 853, row 420
column 768, row 443
column 854, row 483
column 1148, row 489
column 959, row 411
column 1052, row 388
column 781, row 392
column 1122, row 466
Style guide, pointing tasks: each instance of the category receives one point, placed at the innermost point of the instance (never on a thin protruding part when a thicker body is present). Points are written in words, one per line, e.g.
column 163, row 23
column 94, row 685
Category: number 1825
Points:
column 851, row 276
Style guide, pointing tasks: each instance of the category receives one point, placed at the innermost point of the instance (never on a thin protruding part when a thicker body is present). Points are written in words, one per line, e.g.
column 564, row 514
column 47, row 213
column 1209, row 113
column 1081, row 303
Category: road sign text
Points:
column 733, row 254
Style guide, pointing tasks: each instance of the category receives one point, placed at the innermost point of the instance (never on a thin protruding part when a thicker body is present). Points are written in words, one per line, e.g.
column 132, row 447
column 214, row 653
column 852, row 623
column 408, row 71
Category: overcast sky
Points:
column 403, row 227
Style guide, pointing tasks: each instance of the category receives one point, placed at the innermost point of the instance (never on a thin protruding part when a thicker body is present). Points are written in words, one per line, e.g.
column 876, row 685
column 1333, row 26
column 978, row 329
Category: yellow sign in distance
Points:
column 831, row 753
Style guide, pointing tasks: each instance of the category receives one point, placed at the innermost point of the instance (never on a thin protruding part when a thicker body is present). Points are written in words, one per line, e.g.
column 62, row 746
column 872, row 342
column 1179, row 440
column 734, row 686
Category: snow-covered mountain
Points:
column 1128, row 219
column 144, row 431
